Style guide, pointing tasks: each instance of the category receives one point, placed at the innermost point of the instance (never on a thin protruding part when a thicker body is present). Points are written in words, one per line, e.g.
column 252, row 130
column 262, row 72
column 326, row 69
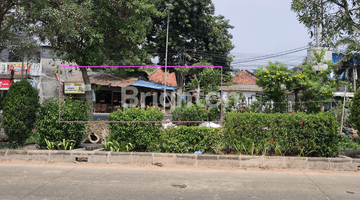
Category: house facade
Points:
column 244, row 82
column 41, row 69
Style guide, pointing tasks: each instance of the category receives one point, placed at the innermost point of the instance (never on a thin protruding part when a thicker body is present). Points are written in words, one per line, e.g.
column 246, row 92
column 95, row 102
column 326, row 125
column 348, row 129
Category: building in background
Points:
column 244, row 82
column 41, row 69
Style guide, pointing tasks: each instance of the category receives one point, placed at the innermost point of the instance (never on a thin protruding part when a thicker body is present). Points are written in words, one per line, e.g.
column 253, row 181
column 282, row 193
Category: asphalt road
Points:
column 53, row 181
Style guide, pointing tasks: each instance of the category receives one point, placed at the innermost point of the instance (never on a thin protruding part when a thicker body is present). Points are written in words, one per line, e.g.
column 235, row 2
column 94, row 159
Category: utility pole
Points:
column 166, row 55
column 319, row 25
column 343, row 110
column 354, row 77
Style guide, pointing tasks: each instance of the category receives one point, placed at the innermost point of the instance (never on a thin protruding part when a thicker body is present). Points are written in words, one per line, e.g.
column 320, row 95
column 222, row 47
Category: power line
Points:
column 271, row 55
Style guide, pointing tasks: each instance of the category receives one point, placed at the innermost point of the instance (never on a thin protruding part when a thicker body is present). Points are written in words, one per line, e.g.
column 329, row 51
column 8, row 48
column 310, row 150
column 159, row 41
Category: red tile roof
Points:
column 158, row 77
column 244, row 77
column 104, row 79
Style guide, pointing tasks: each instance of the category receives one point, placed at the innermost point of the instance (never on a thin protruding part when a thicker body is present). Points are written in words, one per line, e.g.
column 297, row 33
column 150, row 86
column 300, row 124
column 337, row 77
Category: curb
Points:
column 335, row 164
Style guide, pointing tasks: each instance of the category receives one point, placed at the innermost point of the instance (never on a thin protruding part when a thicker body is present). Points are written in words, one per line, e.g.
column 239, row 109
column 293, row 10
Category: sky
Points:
column 263, row 27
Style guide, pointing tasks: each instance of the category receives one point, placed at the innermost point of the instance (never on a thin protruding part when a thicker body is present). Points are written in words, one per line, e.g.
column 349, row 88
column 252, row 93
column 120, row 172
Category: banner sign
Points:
column 17, row 68
column 35, row 69
column 74, row 88
column 5, row 84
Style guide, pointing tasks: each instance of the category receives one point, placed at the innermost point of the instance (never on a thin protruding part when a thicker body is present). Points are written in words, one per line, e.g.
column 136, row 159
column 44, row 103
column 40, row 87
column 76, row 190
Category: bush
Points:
column 355, row 110
column 184, row 139
column 214, row 114
column 48, row 125
column 141, row 135
column 347, row 143
column 284, row 134
column 191, row 112
column 19, row 109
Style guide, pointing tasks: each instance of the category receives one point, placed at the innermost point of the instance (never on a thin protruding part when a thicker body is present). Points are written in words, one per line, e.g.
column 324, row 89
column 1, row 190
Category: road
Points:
column 80, row 181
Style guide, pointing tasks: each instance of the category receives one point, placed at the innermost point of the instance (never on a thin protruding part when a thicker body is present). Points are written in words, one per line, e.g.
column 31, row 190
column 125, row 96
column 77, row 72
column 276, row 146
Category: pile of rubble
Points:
column 350, row 132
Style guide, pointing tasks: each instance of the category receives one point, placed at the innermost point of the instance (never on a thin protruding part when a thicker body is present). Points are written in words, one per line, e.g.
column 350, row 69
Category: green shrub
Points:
column 191, row 112
column 214, row 114
column 188, row 139
column 138, row 134
column 347, row 143
column 19, row 109
column 48, row 125
column 284, row 134
column 355, row 110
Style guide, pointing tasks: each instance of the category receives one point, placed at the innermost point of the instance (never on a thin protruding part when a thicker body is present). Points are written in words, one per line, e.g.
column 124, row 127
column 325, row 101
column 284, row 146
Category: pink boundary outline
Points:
column 221, row 92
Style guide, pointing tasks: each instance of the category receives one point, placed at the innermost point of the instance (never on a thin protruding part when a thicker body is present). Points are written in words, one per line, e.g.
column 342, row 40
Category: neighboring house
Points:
column 41, row 71
column 158, row 76
column 244, row 82
column 108, row 90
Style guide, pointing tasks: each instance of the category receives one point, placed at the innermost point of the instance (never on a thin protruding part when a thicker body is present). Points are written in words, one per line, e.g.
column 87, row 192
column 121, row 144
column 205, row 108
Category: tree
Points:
column 317, row 87
column 195, row 35
column 19, row 109
column 337, row 18
column 9, row 16
column 88, row 32
column 273, row 79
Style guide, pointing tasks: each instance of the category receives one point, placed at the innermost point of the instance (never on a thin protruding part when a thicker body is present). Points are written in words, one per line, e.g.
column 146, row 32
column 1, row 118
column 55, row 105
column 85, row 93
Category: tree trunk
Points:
column 88, row 94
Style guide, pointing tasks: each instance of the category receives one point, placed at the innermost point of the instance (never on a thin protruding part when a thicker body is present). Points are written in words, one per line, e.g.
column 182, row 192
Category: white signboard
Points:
column 35, row 69
column 4, row 68
column 74, row 88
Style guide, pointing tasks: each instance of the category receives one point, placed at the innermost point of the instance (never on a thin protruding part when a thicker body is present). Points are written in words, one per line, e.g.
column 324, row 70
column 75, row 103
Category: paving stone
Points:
column 207, row 160
column 319, row 163
column 120, row 157
column 296, row 163
column 61, row 156
column 164, row 158
column 143, row 158
column 251, row 161
column 16, row 155
column 39, row 155
column 229, row 161
column 185, row 159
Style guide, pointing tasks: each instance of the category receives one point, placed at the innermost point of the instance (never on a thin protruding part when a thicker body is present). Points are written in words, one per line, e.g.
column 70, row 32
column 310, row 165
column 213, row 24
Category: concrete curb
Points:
column 336, row 164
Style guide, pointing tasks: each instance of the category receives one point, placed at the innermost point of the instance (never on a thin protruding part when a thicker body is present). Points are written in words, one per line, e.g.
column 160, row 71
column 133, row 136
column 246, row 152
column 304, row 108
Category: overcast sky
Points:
column 263, row 27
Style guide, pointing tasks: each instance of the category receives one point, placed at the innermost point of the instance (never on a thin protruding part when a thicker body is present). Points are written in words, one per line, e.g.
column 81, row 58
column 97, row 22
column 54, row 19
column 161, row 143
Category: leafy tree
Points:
column 9, row 15
column 88, row 32
column 277, row 81
column 195, row 35
column 338, row 18
column 273, row 79
column 19, row 109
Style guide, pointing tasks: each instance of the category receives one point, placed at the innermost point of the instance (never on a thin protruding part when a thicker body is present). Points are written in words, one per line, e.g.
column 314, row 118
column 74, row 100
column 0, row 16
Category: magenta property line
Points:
column 221, row 68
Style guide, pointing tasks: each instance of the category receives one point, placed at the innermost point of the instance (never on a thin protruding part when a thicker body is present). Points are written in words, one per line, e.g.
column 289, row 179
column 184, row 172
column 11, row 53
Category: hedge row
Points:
column 288, row 134
column 140, row 134
column 188, row 139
